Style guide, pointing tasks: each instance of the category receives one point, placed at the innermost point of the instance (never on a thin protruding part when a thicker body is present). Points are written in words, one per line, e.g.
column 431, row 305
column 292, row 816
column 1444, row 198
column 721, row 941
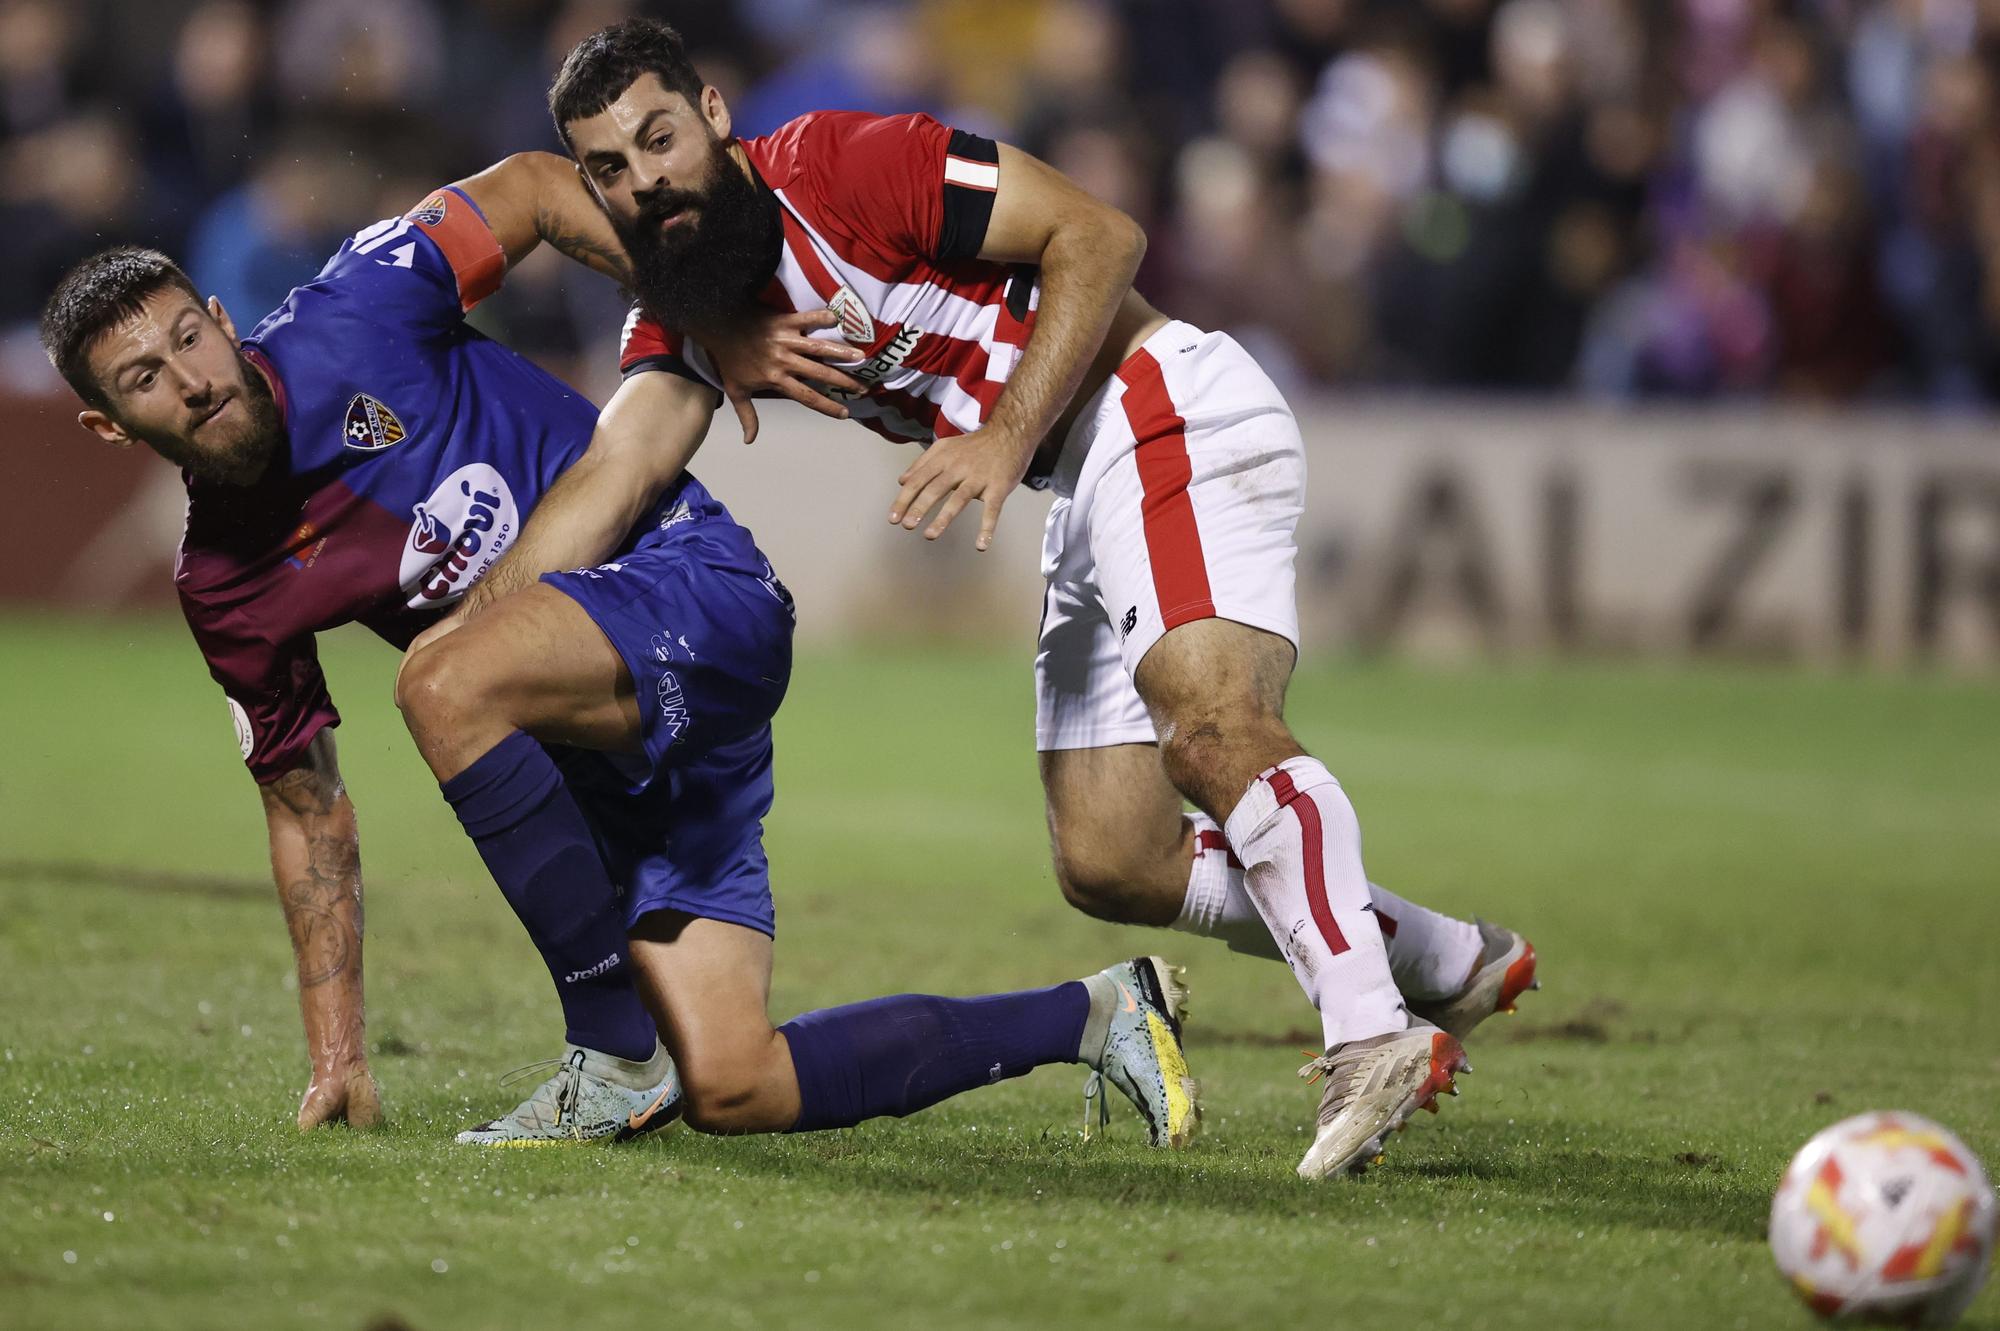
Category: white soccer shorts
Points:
column 1178, row 497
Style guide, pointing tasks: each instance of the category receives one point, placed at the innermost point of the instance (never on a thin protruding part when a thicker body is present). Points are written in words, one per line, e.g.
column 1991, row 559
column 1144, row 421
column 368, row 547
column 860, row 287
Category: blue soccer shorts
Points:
column 705, row 628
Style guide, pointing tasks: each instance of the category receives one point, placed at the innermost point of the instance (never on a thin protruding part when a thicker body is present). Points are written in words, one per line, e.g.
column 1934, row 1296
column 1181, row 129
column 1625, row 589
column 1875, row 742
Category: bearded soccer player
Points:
column 990, row 303
column 364, row 456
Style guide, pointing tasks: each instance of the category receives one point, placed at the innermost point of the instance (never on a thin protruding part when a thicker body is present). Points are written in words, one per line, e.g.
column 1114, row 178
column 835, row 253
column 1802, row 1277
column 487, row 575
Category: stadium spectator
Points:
column 68, row 192
column 210, row 117
column 257, row 242
column 361, row 55
column 40, row 73
column 1630, row 197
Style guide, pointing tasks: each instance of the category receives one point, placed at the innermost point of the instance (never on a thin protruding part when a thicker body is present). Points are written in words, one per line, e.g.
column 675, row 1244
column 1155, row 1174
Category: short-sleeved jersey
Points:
column 884, row 218
column 415, row 449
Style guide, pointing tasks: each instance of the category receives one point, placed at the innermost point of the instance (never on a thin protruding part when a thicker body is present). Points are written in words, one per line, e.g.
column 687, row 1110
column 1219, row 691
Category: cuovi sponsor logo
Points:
column 246, row 738
column 457, row 534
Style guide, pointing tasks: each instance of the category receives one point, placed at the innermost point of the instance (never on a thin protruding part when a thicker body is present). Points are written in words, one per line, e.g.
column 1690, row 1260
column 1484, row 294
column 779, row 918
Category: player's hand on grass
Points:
column 985, row 465
column 776, row 353
column 341, row 1093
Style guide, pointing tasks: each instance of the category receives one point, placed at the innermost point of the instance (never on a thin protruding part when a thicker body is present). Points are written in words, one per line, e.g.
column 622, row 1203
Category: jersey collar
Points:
column 262, row 364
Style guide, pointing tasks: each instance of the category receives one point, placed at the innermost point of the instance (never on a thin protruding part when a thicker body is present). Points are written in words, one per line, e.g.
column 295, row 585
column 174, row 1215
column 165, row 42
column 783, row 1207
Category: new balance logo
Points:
column 1130, row 622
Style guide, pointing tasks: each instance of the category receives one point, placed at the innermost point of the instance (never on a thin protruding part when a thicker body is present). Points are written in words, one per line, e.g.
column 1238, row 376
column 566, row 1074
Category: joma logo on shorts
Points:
column 673, row 706
column 595, row 971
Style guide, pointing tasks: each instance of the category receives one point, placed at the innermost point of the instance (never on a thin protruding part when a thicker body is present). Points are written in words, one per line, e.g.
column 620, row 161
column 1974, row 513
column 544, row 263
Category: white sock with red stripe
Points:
column 1430, row 953
column 1217, row 906
column 1300, row 845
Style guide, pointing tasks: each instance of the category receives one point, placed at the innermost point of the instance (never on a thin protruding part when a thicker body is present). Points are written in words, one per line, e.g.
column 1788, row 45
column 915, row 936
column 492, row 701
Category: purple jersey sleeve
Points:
column 424, row 269
column 277, row 695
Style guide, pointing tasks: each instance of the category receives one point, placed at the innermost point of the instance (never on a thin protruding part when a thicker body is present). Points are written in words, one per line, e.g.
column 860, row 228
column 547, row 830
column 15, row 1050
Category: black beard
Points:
column 243, row 460
column 703, row 273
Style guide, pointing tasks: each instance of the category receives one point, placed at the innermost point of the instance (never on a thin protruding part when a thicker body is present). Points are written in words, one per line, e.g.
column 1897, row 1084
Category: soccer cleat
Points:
column 1141, row 1054
column 581, row 1102
column 1372, row 1088
column 1505, row 971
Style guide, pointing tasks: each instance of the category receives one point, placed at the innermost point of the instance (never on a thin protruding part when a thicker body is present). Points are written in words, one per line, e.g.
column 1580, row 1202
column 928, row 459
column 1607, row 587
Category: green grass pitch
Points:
column 1764, row 901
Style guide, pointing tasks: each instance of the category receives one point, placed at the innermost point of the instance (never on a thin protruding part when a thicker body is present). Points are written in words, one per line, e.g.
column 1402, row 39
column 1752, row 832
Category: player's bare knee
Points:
column 423, row 688
column 725, row 1100
column 729, row 1091
column 1198, row 752
column 1093, row 884
column 440, row 684
column 1211, row 755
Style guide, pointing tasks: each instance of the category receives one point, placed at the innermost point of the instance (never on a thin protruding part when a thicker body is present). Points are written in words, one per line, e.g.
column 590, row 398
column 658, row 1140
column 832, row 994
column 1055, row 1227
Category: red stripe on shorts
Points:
column 1314, row 847
column 1173, row 542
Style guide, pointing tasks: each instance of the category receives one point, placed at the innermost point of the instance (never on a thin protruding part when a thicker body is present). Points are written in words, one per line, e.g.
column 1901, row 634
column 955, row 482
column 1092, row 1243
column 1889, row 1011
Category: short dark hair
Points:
column 609, row 61
column 96, row 296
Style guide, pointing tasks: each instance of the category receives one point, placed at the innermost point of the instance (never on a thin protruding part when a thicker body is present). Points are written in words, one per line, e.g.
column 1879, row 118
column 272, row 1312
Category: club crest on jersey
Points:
column 430, row 212
column 882, row 364
column 456, row 535
column 856, row 325
column 371, row 426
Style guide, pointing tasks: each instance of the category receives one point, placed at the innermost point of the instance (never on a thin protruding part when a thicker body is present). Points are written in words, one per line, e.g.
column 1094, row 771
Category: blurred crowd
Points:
column 1623, row 198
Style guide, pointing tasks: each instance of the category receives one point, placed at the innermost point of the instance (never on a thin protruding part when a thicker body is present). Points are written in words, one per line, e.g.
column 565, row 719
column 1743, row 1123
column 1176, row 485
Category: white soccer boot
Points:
column 1140, row 1005
column 1372, row 1088
column 592, row 1095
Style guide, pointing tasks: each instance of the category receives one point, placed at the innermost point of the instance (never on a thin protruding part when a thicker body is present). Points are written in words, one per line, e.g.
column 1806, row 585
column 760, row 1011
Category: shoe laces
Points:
column 1338, row 1074
column 1093, row 1091
column 558, row 1093
column 1318, row 1065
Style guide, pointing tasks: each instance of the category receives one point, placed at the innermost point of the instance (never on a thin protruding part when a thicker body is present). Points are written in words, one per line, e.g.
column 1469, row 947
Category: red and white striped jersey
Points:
column 884, row 217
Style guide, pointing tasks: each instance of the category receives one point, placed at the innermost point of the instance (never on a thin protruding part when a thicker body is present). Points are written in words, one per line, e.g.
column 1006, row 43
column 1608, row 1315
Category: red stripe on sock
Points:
column 1388, row 923
column 1313, row 844
column 1208, row 839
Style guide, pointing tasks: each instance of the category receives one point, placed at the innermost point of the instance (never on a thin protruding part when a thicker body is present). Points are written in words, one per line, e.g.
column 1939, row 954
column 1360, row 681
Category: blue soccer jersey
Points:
column 415, row 449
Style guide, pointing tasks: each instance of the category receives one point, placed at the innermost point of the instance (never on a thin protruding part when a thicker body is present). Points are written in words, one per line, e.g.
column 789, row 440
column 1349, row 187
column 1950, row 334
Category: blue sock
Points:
column 898, row 1055
column 521, row 816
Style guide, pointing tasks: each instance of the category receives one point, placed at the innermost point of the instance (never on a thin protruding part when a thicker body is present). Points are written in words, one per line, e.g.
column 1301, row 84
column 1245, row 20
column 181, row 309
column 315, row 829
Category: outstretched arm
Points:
column 531, row 198
column 316, row 859
column 1088, row 252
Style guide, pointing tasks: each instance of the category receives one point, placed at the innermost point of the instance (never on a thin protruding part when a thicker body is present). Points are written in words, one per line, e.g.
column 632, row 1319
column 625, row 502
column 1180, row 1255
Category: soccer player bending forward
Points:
column 987, row 304
column 603, row 734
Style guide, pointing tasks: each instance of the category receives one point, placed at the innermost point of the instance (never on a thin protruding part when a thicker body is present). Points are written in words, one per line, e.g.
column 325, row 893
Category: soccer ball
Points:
column 1884, row 1217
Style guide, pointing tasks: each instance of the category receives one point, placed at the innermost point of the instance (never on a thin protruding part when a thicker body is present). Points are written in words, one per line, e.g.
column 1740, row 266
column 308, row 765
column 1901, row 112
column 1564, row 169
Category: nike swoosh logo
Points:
column 639, row 1120
column 1131, row 1004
